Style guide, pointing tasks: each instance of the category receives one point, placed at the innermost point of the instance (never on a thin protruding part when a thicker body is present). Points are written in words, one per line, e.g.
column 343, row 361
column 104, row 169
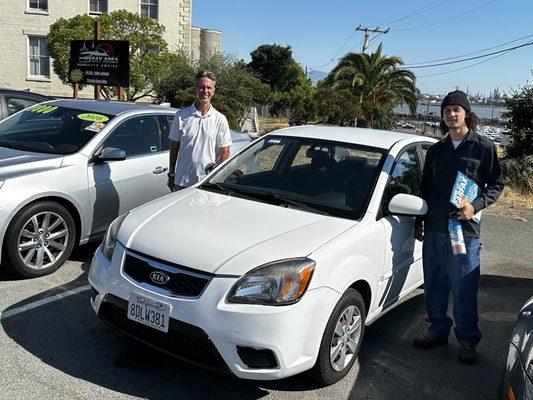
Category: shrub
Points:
column 518, row 173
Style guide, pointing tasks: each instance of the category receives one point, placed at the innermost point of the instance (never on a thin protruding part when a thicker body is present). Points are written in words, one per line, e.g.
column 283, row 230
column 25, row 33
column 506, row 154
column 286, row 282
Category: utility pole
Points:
column 366, row 31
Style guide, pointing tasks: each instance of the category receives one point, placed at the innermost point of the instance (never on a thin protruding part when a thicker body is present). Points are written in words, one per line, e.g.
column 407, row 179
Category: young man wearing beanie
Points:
column 462, row 150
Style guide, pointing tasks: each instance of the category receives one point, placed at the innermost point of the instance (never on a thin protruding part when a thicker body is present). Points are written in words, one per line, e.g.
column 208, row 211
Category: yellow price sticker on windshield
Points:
column 93, row 117
column 43, row 109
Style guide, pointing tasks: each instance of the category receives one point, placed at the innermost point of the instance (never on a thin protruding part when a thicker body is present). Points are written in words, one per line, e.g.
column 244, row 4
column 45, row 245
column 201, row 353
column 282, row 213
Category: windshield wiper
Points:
column 286, row 201
column 226, row 190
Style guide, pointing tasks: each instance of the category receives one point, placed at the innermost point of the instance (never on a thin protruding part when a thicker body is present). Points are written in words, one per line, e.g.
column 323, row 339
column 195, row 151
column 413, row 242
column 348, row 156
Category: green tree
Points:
column 270, row 63
column 520, row 121
column 236, row 88
column 336, row 106
column 378, row 83
column 148, row 50
column 295, row 100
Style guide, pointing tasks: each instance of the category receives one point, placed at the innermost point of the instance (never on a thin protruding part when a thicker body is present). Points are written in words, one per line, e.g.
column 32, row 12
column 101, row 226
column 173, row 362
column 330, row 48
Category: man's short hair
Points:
column 204, row 74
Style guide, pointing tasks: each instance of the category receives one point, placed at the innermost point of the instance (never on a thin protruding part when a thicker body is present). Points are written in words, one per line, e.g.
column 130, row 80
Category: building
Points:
column 25, row 62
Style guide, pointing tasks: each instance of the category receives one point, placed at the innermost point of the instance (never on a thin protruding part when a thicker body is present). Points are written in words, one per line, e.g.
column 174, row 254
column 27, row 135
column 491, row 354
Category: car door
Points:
column 403, row 256
column 116, row 187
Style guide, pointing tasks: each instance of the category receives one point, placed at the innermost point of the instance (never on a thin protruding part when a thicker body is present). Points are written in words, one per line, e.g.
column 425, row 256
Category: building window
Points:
column 41, row 5
column 39, row 58
column 149, row 8
column 97, row 6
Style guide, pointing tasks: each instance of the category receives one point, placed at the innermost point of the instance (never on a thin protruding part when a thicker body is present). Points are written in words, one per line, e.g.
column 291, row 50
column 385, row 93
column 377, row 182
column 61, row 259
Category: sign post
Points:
column 99, row 62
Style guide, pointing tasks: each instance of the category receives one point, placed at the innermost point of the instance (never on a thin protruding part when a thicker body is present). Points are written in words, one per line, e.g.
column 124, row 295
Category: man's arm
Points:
column 492, row 172
column 173, row 157
column 223, row 154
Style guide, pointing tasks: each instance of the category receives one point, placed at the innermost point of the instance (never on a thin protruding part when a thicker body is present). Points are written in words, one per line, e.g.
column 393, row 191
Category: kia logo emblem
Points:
column 159, row 277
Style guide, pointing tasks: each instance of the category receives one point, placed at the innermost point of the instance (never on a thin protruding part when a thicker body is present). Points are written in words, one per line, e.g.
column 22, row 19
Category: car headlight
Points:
column 278, row 283
column 110, row 238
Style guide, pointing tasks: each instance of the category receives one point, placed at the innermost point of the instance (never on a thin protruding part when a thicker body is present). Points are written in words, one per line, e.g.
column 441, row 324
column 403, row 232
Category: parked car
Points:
column 68, row 168
column 518, row 374
column 274, row 263
column 12, row 101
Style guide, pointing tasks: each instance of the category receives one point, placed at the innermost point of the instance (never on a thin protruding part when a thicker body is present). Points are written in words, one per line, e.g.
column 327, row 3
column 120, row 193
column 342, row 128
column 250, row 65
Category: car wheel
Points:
column 342, row 339
column 40, row 239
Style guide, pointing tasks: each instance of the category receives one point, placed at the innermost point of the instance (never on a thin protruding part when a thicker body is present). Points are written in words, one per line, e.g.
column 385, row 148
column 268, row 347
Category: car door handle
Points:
column 159, row 170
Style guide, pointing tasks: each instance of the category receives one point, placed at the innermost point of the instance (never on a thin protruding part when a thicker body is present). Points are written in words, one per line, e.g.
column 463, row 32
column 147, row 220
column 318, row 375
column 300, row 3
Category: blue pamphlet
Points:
column 464, row 191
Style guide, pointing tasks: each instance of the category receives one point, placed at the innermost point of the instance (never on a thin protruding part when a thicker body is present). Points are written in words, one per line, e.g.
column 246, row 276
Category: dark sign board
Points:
column 100, row 62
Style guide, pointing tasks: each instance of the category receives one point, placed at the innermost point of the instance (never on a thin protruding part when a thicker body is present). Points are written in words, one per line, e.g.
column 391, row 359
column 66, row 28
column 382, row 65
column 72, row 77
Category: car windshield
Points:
column 48, row 128
column 321, row 176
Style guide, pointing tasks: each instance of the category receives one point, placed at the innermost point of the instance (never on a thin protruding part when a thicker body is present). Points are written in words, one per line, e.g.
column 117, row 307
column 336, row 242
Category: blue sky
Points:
column 317, row 31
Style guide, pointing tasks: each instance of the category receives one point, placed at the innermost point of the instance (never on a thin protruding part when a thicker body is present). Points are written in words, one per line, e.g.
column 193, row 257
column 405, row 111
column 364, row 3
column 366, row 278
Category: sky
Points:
column 320, row 32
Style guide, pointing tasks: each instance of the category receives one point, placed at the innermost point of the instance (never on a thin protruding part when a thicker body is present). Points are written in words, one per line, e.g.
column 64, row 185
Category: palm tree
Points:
column 377, row 81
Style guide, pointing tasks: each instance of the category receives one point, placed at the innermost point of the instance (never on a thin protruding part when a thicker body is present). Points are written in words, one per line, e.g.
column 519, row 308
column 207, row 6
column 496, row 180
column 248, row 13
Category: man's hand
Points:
column 170, row 183
column 419, row 232
column 466, row 212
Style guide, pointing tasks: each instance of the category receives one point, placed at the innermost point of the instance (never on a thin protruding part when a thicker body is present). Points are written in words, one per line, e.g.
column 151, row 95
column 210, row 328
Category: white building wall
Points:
column 17, row 22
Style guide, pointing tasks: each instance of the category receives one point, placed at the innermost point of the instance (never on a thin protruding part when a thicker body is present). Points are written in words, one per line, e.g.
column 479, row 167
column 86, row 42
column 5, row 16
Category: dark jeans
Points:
column 443, row 272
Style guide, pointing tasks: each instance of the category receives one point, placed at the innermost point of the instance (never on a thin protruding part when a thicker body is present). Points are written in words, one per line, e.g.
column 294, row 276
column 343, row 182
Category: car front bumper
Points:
column 214, row 333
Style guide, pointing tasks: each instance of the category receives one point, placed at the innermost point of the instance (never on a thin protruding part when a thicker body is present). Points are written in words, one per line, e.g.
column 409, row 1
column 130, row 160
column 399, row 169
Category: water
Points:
column 434, row 110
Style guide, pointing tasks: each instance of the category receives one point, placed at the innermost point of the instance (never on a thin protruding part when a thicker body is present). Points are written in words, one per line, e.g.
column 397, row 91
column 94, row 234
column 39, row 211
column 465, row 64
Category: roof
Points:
column 25, row 93
column 361, row 136
column 106, row 106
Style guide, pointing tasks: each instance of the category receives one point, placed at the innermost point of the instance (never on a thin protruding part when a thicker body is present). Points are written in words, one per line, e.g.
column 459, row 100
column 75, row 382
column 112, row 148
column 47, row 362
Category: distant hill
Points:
column 315, row 76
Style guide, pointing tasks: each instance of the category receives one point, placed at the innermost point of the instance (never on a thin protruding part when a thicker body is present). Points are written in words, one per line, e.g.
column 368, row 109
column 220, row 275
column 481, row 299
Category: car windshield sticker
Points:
column 95, row 127
column 43, row 109
column 274, row 141
column 93, row 117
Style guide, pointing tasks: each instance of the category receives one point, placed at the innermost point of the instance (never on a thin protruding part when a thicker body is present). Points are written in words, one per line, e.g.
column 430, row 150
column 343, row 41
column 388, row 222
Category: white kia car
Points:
column 275, row 262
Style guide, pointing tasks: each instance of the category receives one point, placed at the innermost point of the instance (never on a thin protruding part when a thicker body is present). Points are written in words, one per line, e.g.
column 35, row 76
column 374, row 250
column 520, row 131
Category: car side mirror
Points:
column 112, row 154
column 210, row 167
column 407, row 204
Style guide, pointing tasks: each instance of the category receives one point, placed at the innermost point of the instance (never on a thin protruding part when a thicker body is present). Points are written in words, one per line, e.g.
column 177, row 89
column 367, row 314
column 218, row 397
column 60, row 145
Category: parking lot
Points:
column 53, row 346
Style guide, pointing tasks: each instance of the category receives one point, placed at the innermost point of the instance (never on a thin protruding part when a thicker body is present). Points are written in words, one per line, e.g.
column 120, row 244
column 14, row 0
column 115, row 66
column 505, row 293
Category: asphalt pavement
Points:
column 52, row 346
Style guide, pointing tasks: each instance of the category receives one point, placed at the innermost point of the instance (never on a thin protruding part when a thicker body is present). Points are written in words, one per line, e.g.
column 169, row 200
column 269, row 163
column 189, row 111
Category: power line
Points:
column 460, row 69
column 469, row 54
column 337, row 53
column 447, row 19
column 471, row 58
column 417, row 12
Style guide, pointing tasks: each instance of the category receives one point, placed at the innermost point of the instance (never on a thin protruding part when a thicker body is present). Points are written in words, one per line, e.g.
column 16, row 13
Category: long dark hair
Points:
column 470, row 119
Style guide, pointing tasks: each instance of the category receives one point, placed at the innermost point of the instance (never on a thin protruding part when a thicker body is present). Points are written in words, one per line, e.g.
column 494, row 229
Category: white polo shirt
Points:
column 200, row 137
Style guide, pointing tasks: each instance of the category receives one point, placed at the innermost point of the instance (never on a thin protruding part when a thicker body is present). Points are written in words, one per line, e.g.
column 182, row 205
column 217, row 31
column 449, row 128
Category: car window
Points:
column 424, row 148
column 16, row 104
column 333, row 177
column 165, row 122
column 406, row 175
column 136, row 136
column 49, row 128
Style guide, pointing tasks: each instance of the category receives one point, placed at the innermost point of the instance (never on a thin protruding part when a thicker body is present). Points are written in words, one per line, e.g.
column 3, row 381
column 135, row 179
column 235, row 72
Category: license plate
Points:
column 148, row 312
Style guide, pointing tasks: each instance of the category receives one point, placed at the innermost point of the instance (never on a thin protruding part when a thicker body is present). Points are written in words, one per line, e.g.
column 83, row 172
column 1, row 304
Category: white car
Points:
column 273, row 264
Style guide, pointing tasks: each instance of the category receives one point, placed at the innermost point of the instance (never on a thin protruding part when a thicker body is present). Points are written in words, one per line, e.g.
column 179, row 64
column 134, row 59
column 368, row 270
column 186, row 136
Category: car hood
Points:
column 204, row 230
column 18, row 162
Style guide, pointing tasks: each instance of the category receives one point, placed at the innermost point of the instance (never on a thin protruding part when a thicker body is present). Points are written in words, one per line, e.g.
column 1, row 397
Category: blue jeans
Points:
column 443, row 272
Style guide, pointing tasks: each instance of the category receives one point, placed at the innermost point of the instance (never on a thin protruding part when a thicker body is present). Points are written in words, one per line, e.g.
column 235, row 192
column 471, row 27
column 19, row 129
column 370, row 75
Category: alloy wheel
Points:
column 42, row 240
column 345, row 339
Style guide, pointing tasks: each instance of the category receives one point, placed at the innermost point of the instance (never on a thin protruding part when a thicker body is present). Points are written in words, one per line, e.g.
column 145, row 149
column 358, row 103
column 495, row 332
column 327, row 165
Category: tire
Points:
column 40, row 239
column 329, row 369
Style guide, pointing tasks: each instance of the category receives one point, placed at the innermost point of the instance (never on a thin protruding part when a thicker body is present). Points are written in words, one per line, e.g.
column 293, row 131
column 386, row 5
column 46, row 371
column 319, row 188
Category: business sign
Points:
column 100, row 62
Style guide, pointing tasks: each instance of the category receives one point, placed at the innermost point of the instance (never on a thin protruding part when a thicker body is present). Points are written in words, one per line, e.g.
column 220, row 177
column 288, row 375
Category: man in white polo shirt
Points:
column 199, row 136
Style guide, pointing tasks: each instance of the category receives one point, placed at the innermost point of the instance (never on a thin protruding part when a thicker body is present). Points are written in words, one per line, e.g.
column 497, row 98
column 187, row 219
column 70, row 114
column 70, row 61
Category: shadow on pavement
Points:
column 71, row 339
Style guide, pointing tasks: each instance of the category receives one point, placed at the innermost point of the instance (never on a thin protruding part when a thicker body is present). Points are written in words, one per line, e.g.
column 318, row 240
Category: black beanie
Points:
column 455, row 98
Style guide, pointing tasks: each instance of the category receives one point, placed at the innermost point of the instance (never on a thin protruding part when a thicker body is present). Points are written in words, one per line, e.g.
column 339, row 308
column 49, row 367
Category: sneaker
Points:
column 427, row 341
column 466, row 354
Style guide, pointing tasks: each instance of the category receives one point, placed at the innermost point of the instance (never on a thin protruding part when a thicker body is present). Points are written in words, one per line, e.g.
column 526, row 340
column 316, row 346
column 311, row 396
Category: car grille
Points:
column 181, row 283
column 184, row 341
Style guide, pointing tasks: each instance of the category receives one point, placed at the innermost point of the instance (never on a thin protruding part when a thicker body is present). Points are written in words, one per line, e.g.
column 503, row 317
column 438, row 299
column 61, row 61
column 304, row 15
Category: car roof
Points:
column 361, row 136
column 106, row 106
column 25, row 92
